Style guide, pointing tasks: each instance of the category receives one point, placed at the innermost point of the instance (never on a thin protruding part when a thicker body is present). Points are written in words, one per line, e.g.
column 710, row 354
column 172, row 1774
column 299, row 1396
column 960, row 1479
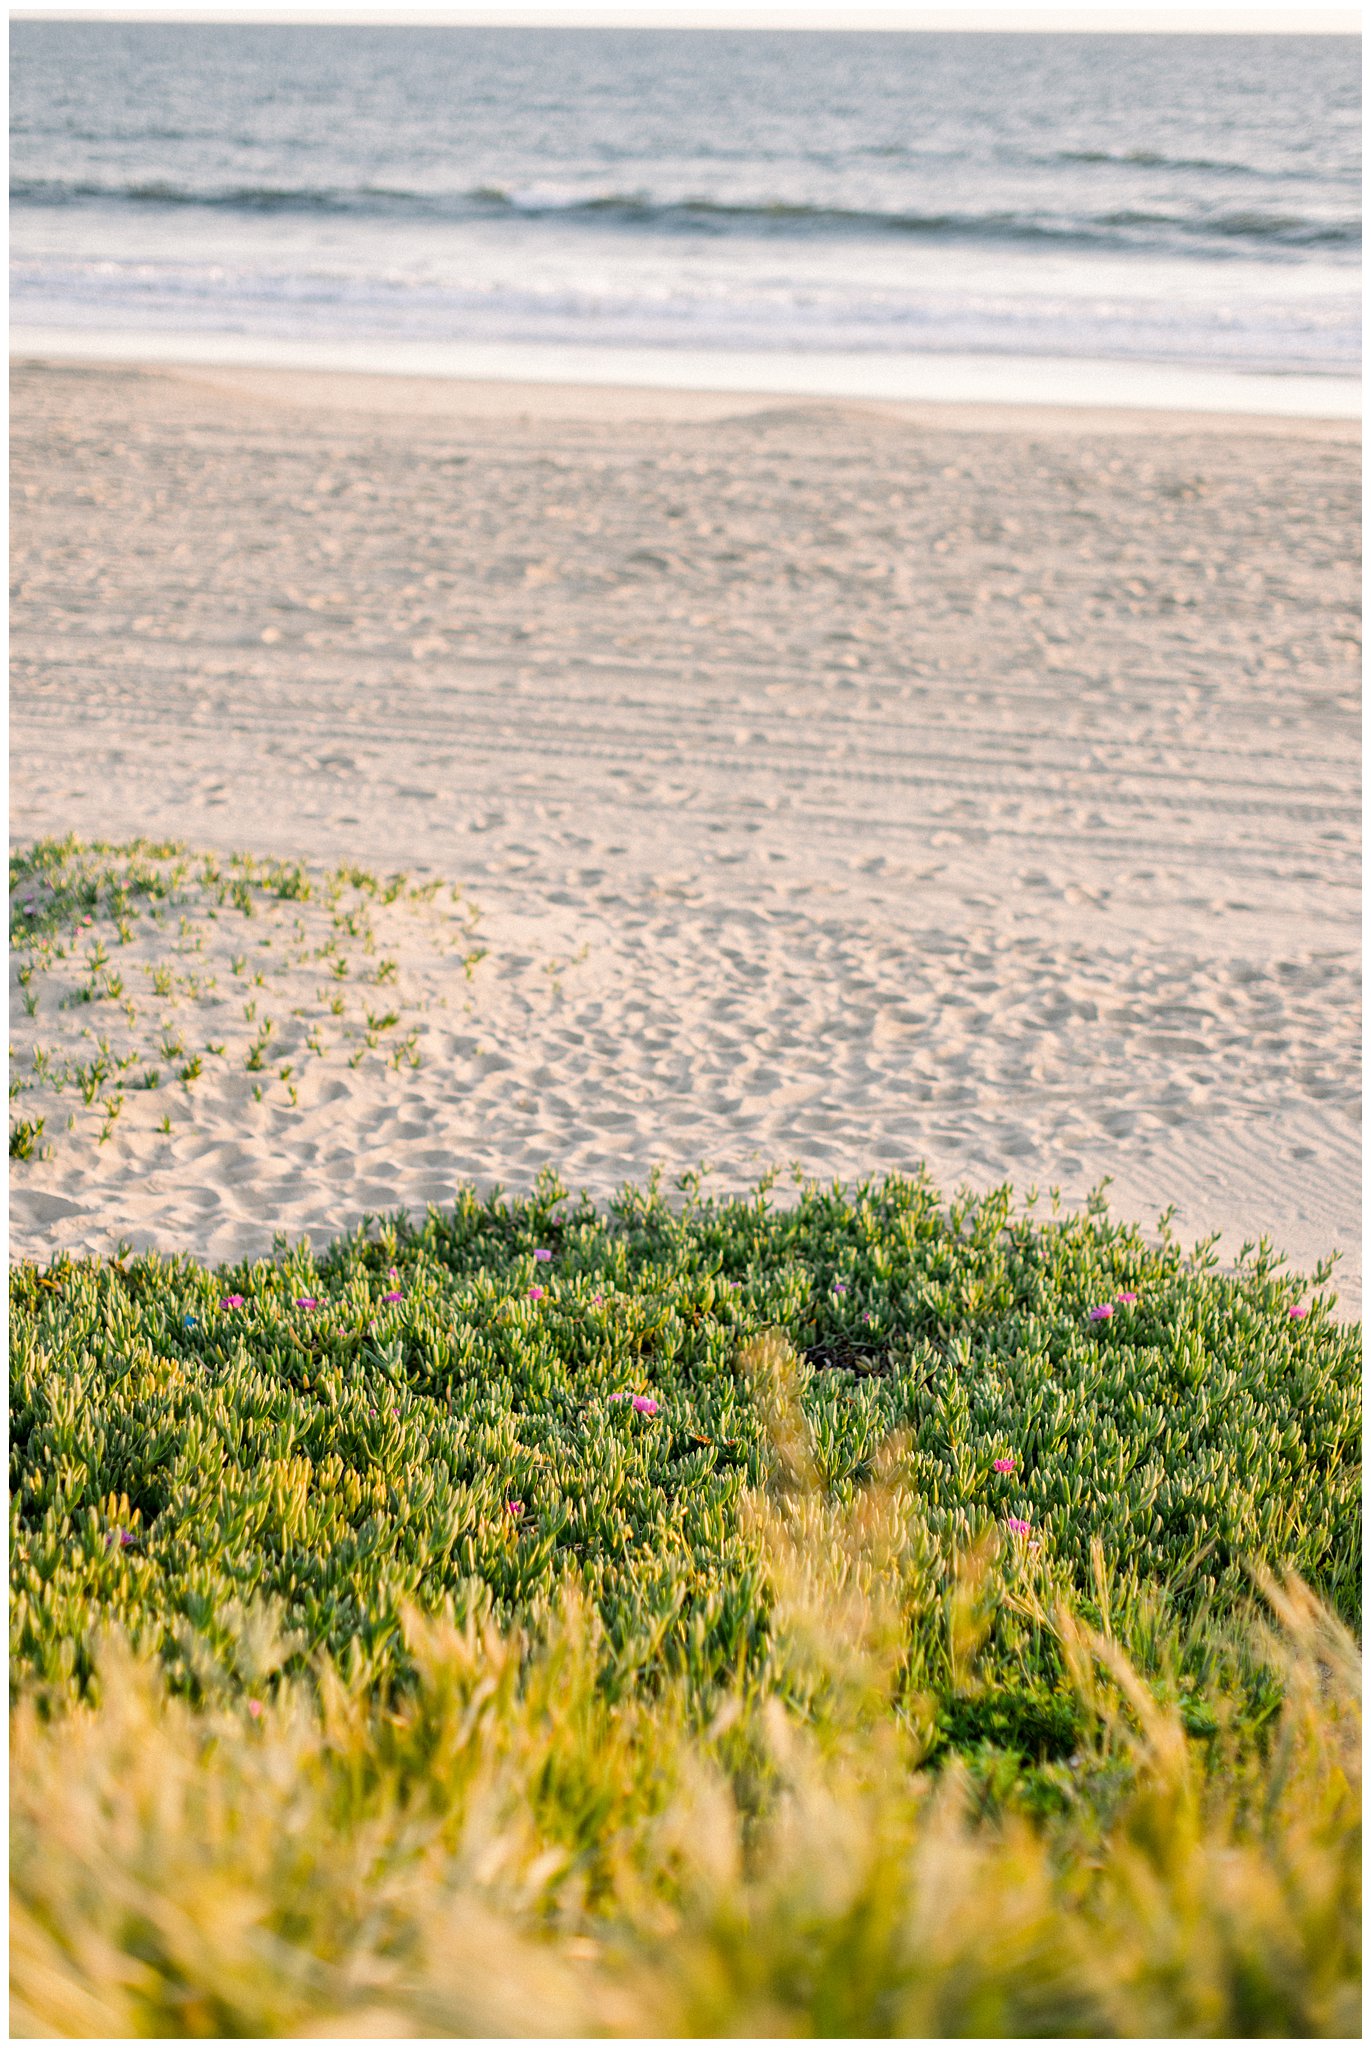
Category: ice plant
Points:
column 514, row 1507
column 1004, row 1464
column 1129, row 1298
column 255, row 1709
column 1299, row 1311
column 536, row 1293
column 542, row 1256
column 840, row 1287
column 306, row 1301
column 394, row 1295
column 1017, row 1524
column 1102, row 1313
column 643, row 1404
column 230, row 1301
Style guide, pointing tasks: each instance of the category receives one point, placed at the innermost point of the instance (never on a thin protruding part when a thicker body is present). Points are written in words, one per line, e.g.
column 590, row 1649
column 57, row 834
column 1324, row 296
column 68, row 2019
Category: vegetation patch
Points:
column 143, row 976
column 476, row 1412
column 838, row 1614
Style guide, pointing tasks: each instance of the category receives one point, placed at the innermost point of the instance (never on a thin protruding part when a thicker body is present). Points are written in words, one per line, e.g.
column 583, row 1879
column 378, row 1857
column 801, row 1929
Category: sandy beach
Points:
column 840, row 785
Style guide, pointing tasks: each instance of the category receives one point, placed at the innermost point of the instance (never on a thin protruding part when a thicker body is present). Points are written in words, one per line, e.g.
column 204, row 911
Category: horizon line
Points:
column 1129, row 20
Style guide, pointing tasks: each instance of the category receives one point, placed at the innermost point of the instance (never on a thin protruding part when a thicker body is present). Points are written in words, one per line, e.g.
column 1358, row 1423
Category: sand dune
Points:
column 850, row 786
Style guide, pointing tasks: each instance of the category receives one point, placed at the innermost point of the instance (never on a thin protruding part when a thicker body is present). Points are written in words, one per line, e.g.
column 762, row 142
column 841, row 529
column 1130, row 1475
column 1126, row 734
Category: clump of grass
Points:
column 26, row 1138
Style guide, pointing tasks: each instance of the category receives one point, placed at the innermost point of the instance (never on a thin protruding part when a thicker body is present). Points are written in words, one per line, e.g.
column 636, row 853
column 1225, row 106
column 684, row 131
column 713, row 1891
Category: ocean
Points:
column 852, row 211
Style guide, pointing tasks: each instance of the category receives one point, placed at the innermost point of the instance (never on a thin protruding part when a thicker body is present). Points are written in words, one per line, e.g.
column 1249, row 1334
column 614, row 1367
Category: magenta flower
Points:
column 643, row 1404
column 231, row 1301
column 1004, row 1464
column 840, row 1287
column 598, row 1299
column 622, row 1395
column 306, row 1301
column 542, row 1257
column 1017, row 1525
column 255, row 1709
column 1102, row 1313
column 536, row 1293
column 514, row 1507
column 123, row 1537
column 394, row 1295
column 1128, row 1298
column 1299, row 1312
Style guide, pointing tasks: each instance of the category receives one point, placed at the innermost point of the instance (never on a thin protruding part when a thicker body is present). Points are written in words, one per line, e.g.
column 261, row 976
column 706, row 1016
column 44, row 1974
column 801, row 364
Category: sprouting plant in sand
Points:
column 188, row 929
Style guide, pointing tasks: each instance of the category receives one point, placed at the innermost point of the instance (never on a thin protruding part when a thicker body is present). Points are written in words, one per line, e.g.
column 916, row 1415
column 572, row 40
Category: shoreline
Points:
column 688, row 383
column 401, row 396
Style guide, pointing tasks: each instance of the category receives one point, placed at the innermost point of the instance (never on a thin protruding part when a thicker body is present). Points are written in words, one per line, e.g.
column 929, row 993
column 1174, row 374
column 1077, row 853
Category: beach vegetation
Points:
column 71, row 901
column 802, row 1612
column 26, row 1138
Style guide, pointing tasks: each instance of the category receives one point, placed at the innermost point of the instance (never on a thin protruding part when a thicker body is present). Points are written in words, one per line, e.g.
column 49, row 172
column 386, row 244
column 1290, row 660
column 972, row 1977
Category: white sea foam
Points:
column 1060, row 198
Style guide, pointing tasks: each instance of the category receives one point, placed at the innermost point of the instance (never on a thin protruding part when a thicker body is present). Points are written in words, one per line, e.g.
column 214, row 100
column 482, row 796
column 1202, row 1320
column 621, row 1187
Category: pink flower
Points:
column 255, row 1709
column 1017, row 1525
column 306, row 1301
column 840, row 1287
column 1299, row 1312
column 394, row 1295
column 643, row 1404
column 1004, row 1464
column 620, row 1396
column 542, row 1257
column 231, row 1301
column 536, row 1293
column 1129, row 1298
column 123, row 1537
column 598, row 1299
column 514, row 1507
column 1102, row 1313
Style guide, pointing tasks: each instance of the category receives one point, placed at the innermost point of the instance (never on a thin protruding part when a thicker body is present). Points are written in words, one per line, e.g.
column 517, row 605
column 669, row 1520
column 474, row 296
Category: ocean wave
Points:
column 1159, row 160
column 1121, row 228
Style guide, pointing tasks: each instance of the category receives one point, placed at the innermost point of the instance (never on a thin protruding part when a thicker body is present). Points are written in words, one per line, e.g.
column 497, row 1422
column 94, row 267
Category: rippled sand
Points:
column 841, row 785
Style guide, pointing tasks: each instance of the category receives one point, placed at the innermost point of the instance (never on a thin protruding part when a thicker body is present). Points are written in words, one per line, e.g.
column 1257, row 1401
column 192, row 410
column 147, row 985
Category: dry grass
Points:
column 502, row 1850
